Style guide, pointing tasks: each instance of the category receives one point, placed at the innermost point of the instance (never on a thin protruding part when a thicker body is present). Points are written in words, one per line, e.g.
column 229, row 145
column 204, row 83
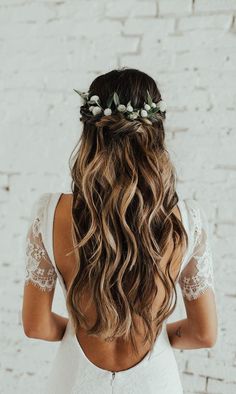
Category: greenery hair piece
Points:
column 147, row 111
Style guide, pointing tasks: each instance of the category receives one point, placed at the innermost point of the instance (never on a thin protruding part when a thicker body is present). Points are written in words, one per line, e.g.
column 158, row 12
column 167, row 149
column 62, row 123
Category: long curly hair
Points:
column 123, row 185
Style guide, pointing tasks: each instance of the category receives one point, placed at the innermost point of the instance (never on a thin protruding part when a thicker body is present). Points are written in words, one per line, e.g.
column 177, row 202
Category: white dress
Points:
column 157, row 372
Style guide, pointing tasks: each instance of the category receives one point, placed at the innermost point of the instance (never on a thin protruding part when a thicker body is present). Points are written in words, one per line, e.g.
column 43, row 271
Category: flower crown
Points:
column 148, row 111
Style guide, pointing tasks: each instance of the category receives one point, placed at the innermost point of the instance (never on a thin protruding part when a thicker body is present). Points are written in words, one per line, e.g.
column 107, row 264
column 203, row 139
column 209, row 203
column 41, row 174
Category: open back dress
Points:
column 72, row 371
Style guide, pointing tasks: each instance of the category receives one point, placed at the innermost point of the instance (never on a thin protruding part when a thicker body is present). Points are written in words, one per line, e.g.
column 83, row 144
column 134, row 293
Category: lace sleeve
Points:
column 197, row 276
column 39, row 269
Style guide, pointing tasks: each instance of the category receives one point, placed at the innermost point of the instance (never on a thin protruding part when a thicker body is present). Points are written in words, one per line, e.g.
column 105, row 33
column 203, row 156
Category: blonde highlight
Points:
column 124, row 194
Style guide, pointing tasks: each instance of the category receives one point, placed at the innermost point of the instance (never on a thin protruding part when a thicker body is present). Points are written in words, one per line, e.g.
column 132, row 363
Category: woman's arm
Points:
column 53, row 332
column 39, row 321
column 40, row 281
column 182, row 336
column 196, row 280
column 199, row 329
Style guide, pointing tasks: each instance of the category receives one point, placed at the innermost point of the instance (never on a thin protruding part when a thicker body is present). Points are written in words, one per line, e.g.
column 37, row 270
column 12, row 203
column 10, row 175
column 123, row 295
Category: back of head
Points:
column 123, row 199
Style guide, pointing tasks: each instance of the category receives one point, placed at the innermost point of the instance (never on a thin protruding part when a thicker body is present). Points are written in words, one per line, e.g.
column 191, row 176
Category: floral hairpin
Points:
column 147, row 111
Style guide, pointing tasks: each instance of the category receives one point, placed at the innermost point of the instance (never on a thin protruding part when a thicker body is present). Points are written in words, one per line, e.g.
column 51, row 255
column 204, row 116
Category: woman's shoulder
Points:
column 194, row 208
column 43, row 203
column 195, row 215
column 66, row 198
column 38, row 204
column 45, row 197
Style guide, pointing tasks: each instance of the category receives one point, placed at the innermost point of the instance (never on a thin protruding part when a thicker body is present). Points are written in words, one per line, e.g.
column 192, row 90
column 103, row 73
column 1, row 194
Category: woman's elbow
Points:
column 209, row 340
column 35, row 331
column 32, row 333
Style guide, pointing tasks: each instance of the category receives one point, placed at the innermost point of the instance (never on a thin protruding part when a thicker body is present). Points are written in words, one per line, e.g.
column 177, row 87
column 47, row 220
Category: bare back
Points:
column 116, row 355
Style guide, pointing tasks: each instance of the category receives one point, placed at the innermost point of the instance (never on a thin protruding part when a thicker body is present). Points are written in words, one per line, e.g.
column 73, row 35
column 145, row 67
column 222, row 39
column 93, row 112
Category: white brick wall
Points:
column 50, row 47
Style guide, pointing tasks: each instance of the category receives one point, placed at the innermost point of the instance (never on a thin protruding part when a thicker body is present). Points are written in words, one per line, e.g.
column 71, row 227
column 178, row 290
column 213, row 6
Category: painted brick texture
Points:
column 49, row 47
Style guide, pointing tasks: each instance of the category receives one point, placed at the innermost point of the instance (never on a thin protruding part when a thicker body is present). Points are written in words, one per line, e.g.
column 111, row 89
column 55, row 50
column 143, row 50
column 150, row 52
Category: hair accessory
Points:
column 147, row 111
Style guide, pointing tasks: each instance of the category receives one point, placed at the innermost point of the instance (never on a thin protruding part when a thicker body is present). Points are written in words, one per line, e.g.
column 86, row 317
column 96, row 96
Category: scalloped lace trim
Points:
column 39, row 268
column 198, row 274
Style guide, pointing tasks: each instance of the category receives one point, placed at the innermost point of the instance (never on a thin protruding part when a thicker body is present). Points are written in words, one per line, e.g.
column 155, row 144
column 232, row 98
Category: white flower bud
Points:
column 96, row 110
column 153, row 105
column 129, row 108
column 107, row 111
column 162, row 106
column 91, row 108
column 94, row 98
column 121, row 108
column 143, row 113
column 133, row 115
column 147, row 107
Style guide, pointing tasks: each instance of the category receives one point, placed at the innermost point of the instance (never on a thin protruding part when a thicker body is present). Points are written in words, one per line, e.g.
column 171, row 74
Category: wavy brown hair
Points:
column 123, row 185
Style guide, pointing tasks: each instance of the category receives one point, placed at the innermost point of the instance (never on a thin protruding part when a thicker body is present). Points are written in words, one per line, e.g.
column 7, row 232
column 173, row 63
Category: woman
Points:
column 119, row 244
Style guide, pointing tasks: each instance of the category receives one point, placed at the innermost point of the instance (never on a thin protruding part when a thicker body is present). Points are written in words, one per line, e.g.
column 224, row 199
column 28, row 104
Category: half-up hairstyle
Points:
column 123, row 185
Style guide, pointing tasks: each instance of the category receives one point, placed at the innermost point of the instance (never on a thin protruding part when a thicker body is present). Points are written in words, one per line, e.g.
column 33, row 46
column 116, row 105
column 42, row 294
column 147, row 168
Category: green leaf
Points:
column 77, row 91
column 154, row 110
column 109, row 101
column 149, row 99
column 116, row 99
column 98, row 104
column 82, row 94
